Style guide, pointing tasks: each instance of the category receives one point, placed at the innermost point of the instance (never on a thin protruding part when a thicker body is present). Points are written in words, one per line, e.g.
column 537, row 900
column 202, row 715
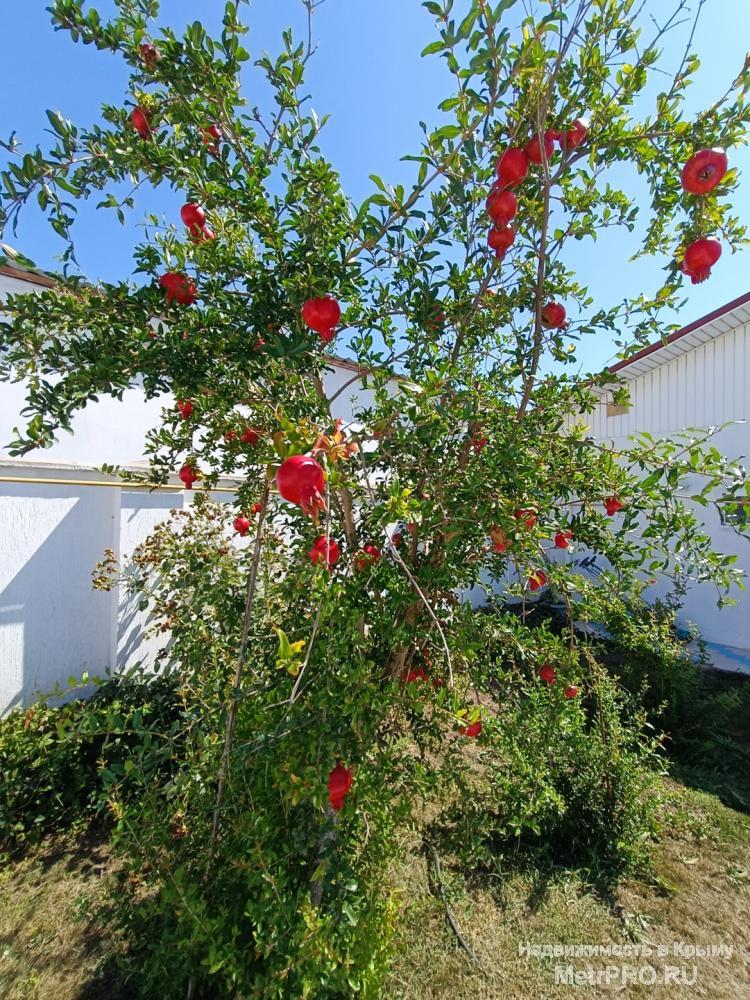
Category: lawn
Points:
column 51, row 945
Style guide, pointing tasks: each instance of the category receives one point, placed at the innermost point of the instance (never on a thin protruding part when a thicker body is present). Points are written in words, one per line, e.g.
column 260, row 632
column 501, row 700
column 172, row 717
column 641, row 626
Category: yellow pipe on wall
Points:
column 121, row 484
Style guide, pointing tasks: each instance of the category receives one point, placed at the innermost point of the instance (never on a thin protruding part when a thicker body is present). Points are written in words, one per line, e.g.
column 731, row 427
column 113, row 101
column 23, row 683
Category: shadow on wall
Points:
column 52, row 623
column 140, row 514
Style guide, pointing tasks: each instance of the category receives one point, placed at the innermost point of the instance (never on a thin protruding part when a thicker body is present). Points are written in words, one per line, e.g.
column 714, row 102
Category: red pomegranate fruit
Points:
column 179, row 288
column 575, row 135
column 537, row 580
column 149, row 55
column 212, row 136
column 340, row 782
column 472, row 731
column 612, row 505
column 704, row 170
column 500, row 541
column 512, row 167
column 502, row 206
column 324, row 550
column 370, row 554
column 188, row 474
column 547, row 673
column 526, row 515
column 571, row 691
column 139, row 121
column 242, row 525
column 193, row 215
column 250, row 436
column 500, row 239
column 553, row 316
column 700, row 257
column 533, row 148
column 300, row 480
column 322, row 315
column 563, row 539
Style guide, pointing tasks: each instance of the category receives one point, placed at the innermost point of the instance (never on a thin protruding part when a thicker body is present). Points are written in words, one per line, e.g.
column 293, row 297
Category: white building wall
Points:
column 706, row 386
column 52, row 623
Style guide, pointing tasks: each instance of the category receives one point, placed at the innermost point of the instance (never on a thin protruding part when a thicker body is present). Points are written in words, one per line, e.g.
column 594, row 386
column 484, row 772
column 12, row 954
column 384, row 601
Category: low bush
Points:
column 558, row 780
column 54, row 759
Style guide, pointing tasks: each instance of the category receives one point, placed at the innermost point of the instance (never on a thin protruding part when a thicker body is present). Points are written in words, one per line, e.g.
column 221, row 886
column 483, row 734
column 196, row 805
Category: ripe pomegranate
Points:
column 139, row 121
column 553, row 316
column 370, row 554
column 250, row 436
column 193, row 215
column 212, row 136
column 300, row 480
column 527, row 515
column 242, row 525
column 325, row 550
column 185, row 407
column 472, row 731
column 612, row 505
column 512, row 167
column 500, row 541
column 257, row 508
column 571, row 691
column 547, row 673
column 203, row 235
column 533, row 148
column 704, row 170
column 188, row 474
column 322, row 315
column 149, row 55
column 179, row 288
column 563, row 539
column 500, row 239
column 416, row 674
column 700, row 257
column 340, row 782
column 537, row 580
column 396, row 539
column 501, row 206
column 575, row 135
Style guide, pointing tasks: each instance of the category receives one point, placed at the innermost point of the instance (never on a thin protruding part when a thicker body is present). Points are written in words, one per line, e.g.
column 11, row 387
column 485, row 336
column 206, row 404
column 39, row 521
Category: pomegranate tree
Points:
column 446, row 460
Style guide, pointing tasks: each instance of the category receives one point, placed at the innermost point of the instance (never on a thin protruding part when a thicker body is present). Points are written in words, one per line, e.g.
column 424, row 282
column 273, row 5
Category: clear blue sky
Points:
column 369, row 76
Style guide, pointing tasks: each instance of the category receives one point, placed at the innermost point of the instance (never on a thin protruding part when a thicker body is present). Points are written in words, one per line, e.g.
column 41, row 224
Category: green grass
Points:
column 51, row 945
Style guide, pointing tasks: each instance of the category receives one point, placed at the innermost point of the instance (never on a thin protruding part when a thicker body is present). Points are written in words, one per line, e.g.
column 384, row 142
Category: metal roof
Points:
column 714, row 324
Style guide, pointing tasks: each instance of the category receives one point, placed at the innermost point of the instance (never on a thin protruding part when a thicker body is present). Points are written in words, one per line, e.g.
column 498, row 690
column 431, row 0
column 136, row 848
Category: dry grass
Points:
column 701, row 895
column 51, row 947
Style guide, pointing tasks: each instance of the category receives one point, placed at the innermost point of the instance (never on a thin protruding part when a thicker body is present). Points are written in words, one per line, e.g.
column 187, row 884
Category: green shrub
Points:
column 53, row 758
column 564, row 781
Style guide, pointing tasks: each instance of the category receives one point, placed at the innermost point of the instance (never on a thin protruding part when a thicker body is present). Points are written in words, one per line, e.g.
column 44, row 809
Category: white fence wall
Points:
column 52, row 623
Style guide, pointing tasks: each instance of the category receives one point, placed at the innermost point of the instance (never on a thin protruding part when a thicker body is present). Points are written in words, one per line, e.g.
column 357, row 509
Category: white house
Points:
column 699, row 378
column 56, row 520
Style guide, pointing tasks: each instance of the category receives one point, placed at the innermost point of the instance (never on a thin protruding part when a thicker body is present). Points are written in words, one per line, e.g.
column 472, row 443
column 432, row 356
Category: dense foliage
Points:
column 329, row 673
